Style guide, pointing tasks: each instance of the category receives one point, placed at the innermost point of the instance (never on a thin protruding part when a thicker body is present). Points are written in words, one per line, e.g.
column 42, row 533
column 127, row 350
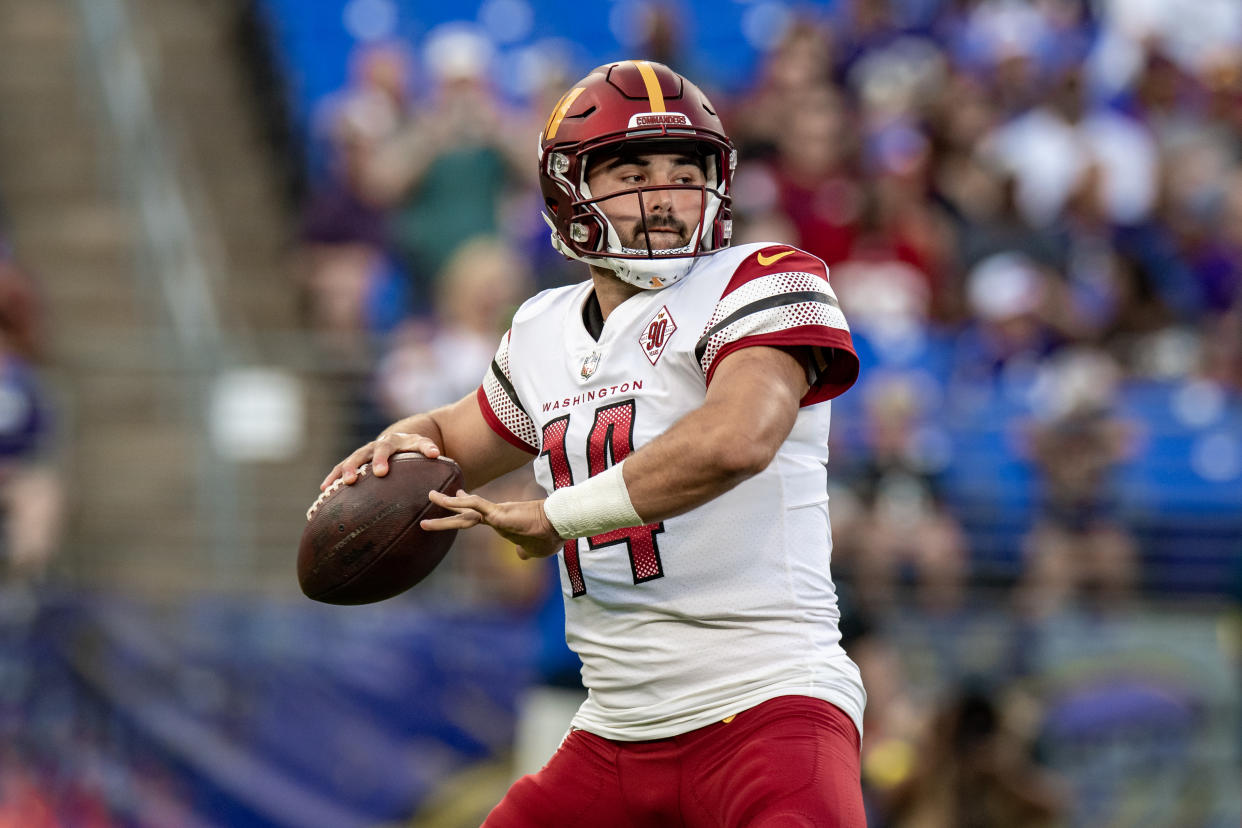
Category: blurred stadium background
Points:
column 238, row 236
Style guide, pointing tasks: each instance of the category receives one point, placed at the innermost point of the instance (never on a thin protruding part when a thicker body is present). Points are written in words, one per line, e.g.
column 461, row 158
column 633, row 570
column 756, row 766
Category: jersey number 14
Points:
column 610, row 441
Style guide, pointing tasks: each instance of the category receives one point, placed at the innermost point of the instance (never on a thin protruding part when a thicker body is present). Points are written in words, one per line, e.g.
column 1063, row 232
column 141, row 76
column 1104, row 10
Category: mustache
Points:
column 663, row 223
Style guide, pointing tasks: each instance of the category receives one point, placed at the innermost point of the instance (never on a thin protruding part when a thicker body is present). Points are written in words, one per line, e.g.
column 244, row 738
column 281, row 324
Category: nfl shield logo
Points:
column 589, row 365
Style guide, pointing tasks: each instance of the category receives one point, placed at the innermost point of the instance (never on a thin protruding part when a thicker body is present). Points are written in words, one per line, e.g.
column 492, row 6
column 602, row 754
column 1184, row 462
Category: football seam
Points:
column 339, row 483
column 327, row 493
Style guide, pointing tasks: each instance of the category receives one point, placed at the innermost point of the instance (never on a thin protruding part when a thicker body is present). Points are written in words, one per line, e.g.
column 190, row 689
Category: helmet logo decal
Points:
column 658, row 119
column 652, row 83
column 558, row 112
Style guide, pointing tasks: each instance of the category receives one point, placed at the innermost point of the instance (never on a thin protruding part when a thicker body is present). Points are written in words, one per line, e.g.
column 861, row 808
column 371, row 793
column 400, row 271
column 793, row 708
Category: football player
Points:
column 675, row 406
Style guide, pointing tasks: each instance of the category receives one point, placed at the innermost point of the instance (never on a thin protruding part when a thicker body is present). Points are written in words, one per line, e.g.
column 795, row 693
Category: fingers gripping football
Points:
column 522, row 523
column 377, row 453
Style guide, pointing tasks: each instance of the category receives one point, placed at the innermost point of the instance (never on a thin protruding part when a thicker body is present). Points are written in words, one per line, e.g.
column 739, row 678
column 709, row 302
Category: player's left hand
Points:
column 521, row 522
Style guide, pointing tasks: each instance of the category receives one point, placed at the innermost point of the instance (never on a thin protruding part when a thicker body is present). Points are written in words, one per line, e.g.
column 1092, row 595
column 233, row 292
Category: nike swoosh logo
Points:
column 768, row 261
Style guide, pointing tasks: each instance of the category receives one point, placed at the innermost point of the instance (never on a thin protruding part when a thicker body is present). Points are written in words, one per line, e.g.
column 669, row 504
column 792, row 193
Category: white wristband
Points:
column 597, row 505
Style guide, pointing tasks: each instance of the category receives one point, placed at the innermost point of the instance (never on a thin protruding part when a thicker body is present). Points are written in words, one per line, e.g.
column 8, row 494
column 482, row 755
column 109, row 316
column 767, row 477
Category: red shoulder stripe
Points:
column 841, row 373
column 775, row 258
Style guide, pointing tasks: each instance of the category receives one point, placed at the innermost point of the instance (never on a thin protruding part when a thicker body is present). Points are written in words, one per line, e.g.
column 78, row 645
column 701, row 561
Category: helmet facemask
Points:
column 594, row 238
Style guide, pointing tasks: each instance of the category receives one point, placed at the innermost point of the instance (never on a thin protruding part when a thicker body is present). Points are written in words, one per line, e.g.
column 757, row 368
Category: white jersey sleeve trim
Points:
column 768, row 305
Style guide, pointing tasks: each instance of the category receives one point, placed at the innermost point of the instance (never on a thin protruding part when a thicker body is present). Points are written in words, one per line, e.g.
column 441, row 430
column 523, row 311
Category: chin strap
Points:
column 645, row 273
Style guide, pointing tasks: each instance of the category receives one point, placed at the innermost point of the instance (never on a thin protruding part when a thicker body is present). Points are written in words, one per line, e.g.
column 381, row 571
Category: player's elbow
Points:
column 740, row 458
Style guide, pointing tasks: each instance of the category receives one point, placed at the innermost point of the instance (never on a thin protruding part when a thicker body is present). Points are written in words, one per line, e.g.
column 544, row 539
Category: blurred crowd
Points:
column 1039, row 198
column 1044, row 196
column 1035, row 202
column 30, row 523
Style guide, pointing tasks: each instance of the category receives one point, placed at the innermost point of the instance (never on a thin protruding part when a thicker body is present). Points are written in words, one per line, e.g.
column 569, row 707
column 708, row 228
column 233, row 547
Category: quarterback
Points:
column 675, row 406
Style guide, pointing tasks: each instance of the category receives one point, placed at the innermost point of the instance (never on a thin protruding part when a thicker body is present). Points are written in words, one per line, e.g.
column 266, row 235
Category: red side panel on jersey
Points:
column 500, row 405
column 780, row 297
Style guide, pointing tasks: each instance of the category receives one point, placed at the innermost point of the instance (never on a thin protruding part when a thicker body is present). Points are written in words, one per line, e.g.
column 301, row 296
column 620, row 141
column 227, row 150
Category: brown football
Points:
column 363, row 543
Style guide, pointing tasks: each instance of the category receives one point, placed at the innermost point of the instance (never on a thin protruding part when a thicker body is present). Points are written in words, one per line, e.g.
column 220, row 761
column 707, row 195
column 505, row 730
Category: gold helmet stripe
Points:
column 558, row 112
column 653, row 85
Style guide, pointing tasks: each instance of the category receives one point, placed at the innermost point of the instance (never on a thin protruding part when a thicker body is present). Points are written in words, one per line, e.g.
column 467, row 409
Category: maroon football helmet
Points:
column 623, row 103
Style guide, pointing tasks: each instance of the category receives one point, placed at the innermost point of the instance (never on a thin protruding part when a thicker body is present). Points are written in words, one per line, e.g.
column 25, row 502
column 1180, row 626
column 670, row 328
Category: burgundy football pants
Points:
column 791, row 762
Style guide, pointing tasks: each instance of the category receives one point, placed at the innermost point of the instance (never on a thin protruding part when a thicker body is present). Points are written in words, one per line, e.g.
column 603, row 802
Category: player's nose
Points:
column 660, row 200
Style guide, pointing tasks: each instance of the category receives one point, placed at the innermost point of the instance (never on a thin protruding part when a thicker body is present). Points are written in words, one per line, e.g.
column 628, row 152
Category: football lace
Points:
column 331, row 490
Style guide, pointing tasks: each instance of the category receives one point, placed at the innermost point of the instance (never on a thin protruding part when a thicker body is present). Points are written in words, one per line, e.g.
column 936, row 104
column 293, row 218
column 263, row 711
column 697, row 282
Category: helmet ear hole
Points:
column 550, row 203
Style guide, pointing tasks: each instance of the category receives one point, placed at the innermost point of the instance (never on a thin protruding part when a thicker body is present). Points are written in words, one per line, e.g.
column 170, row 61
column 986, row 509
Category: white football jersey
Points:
column 685, row 622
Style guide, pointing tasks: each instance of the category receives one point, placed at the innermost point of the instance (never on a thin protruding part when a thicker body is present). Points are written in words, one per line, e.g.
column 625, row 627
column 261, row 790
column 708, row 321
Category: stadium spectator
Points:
column 979, row 201
column 433, row 363
column 1222, row 351
column 379, row 80
column 446, row 171
column 974, row 770
column 343, row 238
column 384, row 70
column 21, row 309
column 894, row 721
column 1215, row 243
column 30, row 491
column 815, row 170
column 1051, row 147
column 1013, row 305
column 865, row 27
column 801, row 62
column 661, row 34
column 900, row 529
column 1078, row 549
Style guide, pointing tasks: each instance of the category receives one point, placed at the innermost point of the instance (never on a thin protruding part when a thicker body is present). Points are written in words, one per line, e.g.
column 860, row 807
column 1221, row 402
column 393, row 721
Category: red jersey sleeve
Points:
column 779, row 296
column 500, row 404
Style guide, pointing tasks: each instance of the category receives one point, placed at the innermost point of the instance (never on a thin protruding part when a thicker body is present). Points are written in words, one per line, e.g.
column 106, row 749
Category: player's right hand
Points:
column 377, row 453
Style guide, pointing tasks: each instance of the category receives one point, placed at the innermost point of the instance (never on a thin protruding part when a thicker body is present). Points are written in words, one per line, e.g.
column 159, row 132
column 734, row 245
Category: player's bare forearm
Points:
column 750, row 408
column 457, row 431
